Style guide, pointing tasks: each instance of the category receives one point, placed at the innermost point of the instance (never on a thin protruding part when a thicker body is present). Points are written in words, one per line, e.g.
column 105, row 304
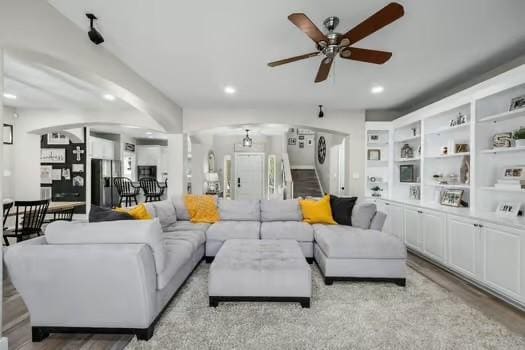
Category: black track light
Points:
column 93, row 34
column 321, row 113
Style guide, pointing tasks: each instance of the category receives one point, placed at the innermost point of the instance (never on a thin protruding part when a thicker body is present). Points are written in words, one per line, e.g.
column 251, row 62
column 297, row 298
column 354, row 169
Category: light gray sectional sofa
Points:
column 117, row 277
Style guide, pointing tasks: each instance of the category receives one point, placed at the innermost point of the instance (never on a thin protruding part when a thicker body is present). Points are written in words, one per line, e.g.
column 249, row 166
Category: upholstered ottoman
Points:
column 260, row 270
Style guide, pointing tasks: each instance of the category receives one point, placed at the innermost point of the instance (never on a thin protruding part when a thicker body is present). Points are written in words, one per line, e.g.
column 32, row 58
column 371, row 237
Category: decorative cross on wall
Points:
column 78, row 152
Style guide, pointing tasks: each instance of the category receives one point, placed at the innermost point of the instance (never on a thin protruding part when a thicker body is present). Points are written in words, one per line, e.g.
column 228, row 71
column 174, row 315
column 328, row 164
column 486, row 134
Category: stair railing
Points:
column 287, row 177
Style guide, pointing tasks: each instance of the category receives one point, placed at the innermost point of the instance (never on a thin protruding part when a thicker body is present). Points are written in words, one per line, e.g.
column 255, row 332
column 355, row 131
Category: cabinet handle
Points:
column 387, row 203
column 480, row 225
column 420, row 212
column 476, row 225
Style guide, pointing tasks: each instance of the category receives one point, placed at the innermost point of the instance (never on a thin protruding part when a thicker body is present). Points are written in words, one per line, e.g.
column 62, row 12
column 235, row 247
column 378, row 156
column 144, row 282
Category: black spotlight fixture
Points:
column 321, row 113
column 93, row 34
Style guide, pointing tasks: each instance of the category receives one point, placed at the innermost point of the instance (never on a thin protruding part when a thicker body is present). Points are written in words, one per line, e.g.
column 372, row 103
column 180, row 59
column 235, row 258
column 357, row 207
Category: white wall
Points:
column 8, row 157
column 38, row 32
column 343, row 121
column 301, row 157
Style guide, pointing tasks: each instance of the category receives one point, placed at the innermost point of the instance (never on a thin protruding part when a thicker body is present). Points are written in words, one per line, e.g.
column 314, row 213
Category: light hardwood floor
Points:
column 18, row 331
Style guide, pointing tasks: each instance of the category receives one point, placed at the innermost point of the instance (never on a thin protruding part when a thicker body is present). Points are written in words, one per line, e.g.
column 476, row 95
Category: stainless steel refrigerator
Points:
column 103, row 191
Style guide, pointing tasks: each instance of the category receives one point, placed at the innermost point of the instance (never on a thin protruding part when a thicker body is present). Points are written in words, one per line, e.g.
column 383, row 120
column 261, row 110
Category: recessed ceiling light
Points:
column 108, row 97
column 230, row 90
column 149, row 133
column 9, row 96
column 377, row 89
column 132, row 127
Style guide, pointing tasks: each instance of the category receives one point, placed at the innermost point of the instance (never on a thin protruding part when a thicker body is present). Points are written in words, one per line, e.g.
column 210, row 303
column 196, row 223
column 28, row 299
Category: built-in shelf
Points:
column 452, row 155
column 409, row 139
column 458, row 186
column 378, row 163
column 403, row 160
column 378, row 182
column 504, row 150
column 504, row 116
column 448, row 129
column 379, row 144
column 497, row 189
column 409, row 183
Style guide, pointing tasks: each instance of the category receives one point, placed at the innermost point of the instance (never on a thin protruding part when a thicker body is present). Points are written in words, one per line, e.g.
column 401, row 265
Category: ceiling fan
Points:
column 333, row 43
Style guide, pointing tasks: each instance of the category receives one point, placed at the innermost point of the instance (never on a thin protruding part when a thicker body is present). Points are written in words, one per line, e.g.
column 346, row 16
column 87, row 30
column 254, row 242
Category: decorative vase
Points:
column 520, row 143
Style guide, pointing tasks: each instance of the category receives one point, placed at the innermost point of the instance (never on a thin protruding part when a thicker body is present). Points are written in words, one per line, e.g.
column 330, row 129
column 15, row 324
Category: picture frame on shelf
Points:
column 374, row 154
column 374, row 138
column 414, row 192
column 292, row 141
column 8, row 134
column 301, row 144
column 506, row 208
column 517, row 103
column 514, row 173
column 502, row 140
column 462, row 148
column 407, row 173
column 451, row 197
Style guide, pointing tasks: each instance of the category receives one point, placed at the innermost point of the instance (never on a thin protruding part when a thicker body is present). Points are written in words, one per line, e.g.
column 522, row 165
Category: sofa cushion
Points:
column 337, row 241
column 186, row 226
column 363, row 214
column 164, row 210
column 378, row 221
column 317, row 211
column 281, row 210
column 297, row 230
column 224, row 230
column 342, row 209
column 195, row 238
column 139, row 212
column 240, row 210
column 180, row 208
column 99, row 214
column 147, row 232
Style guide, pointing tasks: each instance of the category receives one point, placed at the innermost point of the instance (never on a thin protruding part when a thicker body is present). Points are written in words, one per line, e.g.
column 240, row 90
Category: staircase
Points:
column 305, row 183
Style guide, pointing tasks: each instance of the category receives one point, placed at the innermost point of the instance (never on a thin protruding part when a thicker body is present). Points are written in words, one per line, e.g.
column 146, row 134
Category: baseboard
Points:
column 3, row 343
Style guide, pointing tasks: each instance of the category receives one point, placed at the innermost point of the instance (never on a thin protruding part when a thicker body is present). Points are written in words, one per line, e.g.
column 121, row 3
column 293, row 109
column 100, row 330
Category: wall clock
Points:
column 321, row 150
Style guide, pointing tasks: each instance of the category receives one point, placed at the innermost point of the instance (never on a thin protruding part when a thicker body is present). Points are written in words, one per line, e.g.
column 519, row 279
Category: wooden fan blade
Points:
column 365, row 55
column 308, row 27
column 324, row 69
column 378, row 20
column 293, row 59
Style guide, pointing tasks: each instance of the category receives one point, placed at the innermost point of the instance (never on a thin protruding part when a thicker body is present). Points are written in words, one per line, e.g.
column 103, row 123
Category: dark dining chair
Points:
column 7, row 208
column 152, row 189
column 126, row 190
column 29, row 218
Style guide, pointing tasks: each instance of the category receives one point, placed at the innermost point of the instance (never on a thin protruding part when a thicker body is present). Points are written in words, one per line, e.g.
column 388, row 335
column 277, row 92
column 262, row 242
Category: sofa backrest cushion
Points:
column 281, row 210
column 147, row 232
column 180, row 208
column 378, row 221
column 240, row 209
column 362, row 215
column 164, row 211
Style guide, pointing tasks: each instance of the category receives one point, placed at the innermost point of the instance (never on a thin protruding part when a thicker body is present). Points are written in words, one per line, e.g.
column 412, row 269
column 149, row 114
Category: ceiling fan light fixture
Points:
column 247, row 141
column 377, row 89
column 230, row 90
column 345, row 42
column 346, row 53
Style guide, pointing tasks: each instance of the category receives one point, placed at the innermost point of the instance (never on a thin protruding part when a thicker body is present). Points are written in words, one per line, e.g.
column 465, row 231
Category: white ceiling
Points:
column 45, row 88
column 130, row 131
column 192, row 49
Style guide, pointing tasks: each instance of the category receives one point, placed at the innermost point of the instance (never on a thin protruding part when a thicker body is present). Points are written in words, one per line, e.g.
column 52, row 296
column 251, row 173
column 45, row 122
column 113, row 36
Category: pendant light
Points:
column 247, row 141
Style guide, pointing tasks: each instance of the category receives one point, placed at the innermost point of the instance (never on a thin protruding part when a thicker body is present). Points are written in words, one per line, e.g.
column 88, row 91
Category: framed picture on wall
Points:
column 56, row 138
column 52, row 155
column 8, row 134
column 373, row 138
column 451, row 198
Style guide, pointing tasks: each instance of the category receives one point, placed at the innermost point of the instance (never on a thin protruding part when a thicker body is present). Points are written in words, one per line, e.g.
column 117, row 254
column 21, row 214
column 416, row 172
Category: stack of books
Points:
column 509, row 184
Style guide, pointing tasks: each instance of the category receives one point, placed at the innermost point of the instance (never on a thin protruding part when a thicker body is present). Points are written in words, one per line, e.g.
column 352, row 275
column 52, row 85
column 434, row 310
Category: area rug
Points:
column 346, row 315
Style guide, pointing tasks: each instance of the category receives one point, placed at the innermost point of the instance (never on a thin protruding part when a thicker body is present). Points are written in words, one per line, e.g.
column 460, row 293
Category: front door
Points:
column 249, row 175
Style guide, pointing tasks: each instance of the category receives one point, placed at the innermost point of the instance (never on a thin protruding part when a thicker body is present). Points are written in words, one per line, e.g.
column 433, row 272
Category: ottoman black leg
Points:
column 209, row 259
column 213, row 302
column 146, row 333
column 310, row 260
column 328, row 281
column 39, row 334
column 402, row 282
column 305, row 304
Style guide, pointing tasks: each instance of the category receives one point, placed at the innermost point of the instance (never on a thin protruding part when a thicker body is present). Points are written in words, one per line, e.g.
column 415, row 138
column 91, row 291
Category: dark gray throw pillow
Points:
column 99, row 214
column 342, row 209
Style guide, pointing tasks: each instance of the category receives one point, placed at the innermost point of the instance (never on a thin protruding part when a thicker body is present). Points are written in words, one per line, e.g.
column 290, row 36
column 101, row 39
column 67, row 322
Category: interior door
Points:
column 249, row 175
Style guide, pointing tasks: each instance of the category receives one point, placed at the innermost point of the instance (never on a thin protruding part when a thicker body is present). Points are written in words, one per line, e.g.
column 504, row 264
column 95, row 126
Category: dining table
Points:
column 54, row 206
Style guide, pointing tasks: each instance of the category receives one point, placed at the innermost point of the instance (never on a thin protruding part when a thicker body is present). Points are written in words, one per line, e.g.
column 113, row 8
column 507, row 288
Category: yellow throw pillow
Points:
column 202, row 208
column 317, row 212
column 140, row 212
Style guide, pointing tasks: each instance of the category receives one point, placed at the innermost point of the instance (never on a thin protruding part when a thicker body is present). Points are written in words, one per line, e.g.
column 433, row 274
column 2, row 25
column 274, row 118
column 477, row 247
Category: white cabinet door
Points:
column 463, row 245
column 433, row 234
column 412, row 228
column 385, row 208
column 395, row 212
column 501, row 259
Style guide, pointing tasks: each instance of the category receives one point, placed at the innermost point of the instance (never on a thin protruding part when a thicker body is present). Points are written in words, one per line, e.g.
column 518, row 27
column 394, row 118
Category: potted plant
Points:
column 519, row 136
column 376, row 191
